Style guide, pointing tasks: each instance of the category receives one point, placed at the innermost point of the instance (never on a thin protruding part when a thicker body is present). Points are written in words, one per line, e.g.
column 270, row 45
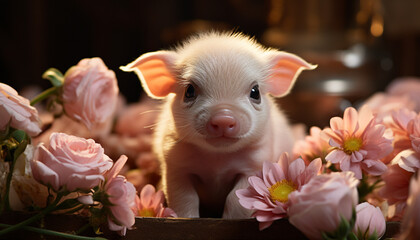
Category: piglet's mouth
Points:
column 222, row 141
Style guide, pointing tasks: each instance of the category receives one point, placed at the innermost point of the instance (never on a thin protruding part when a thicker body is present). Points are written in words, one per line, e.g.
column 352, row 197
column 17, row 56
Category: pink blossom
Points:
column 408, row 159
column 413, row 128
column 395, row 189
column 359, row 142
column 314, row 146
column 70, row 162
column 319, row 205
column 410, row 227
column 116, row 168
column 398, row 123
column 382, row 105
column 150, row 203
column 18, row 111
column 25, row 191
column 369, row 221
column 406, row 86
column 122, row 196
column 406, row 128
column 90, row 92
column 268, row 192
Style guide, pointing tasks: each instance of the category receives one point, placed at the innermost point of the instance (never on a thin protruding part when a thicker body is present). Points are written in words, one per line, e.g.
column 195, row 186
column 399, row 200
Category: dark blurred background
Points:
column 359, row 46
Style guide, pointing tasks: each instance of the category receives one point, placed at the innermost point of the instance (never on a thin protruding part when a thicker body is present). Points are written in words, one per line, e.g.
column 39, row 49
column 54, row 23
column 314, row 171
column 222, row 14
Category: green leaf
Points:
column 352, row 236
column 344, row 229
column 326, row 236
column 20, row 135
column 54, row 76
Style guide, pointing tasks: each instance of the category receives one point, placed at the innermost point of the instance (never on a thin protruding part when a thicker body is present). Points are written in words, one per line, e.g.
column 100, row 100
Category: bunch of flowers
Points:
column 350, row 177
column 68, row 174
column 341, row 182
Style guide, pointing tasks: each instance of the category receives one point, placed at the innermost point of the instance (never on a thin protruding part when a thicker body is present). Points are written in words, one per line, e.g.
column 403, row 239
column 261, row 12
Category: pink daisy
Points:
column 398, row 123
column 268, row 192
column 150, row 203
column 314, row 146
column 359, row 142
column 406, row 128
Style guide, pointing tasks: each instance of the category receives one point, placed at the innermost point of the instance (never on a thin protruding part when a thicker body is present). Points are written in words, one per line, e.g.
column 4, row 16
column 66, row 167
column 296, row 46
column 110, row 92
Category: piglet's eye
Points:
column 255, row 94
column 190, row 93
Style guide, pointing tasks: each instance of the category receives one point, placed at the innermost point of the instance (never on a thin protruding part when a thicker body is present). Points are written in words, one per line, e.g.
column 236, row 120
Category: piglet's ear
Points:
column 285, row 68
column 155, row 71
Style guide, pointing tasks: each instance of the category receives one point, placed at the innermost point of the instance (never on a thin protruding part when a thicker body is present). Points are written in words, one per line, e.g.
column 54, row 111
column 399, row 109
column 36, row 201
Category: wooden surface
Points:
column 175, row 228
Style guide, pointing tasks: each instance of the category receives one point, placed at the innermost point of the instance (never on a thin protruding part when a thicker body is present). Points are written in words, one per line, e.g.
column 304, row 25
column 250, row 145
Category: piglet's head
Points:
column 217, row 85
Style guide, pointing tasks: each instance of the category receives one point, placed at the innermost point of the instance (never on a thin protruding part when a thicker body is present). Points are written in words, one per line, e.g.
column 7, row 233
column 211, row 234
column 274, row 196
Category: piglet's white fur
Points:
column 218, row 124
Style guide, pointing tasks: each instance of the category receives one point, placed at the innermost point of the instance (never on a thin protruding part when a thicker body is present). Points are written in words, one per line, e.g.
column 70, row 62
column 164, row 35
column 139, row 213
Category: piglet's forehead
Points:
column 223, row 70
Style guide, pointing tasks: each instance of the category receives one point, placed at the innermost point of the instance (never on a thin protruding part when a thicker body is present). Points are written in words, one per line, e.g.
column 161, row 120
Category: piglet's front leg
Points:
column 182, row 196
column 233, row 209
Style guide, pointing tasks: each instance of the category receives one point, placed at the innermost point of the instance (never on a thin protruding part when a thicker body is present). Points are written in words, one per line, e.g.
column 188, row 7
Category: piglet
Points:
column 218, row 124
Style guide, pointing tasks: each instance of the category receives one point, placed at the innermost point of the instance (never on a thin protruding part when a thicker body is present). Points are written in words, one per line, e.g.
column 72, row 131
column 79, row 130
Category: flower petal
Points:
column 374, row 167
column 350, row 120
column 258, row 185
column 296, row 168
column 146, row 195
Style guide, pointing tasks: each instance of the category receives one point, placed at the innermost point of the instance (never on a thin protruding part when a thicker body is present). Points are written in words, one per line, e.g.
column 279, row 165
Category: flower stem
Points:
column 52, row 233
column 5, row 205
column 44, row 95
column 82, row 229
column 34, row 218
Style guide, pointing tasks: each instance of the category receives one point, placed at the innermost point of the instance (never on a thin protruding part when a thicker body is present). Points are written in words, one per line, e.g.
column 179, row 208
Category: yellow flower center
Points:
column 281, row 190
column 351, row 145
column 147, row 212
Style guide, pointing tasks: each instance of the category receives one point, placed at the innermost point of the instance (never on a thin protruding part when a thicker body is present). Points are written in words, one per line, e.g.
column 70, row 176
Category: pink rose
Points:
column 90, row 92
column 122, row 196
column 369, row 221
column 70, row 162
column 18, row 111
column 319, row 205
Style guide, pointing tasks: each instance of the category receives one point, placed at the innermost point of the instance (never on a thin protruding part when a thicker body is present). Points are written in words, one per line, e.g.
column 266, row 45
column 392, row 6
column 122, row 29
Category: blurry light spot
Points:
column 351, row 60
column 335, row 86
column 353, row 57
column 377, row 28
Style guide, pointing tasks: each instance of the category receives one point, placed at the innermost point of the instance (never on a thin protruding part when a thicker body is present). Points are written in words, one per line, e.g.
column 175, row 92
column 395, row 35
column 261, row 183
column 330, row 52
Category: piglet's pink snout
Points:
column 223, row 124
